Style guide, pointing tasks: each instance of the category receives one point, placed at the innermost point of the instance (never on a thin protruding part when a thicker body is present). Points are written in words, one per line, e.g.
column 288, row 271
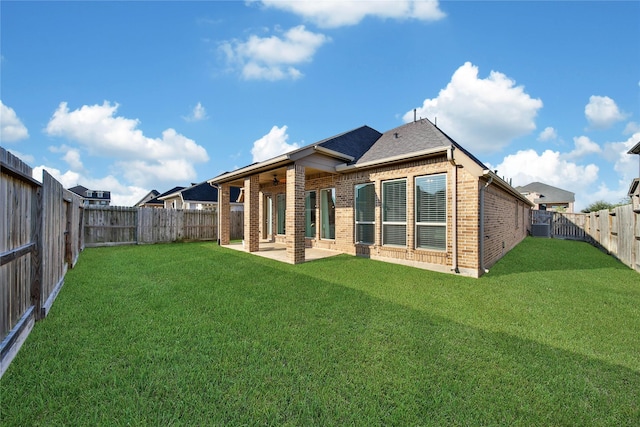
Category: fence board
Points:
column 108, row 226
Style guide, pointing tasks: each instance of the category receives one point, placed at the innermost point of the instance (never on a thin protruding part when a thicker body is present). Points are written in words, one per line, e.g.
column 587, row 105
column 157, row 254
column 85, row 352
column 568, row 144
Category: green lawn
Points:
column 192, row 334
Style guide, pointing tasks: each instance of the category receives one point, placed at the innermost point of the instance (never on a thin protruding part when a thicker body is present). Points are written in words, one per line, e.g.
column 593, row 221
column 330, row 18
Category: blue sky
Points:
column 133, row 96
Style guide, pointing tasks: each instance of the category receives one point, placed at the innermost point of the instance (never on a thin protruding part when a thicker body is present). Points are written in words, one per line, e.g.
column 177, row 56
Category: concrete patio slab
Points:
column 278, row 251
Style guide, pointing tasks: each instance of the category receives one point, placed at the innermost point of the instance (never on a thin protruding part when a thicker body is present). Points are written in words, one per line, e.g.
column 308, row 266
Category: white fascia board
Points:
column 334, row 153
column 248, row 170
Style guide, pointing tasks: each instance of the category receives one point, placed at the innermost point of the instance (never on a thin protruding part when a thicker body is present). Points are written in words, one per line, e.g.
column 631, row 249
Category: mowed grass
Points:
column 194, row 334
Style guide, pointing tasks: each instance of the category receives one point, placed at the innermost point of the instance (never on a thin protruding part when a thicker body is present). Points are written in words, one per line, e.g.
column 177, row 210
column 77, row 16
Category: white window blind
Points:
column 394, row 212
column 365, row 213
column 431, row 212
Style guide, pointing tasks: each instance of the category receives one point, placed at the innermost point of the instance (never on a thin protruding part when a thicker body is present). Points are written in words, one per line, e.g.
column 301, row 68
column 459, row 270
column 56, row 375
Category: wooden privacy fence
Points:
column 40, row 238
column 112, row 225
column 617, row 231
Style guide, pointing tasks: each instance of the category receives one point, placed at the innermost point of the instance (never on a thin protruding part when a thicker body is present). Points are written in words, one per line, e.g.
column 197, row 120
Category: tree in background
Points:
column 602, row 205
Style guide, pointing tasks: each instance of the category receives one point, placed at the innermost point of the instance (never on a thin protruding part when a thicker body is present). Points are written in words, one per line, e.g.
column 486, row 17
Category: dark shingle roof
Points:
column 156, row 200
column 205, row 192
column 354, row 143
column 548, row 193
column 202, row 192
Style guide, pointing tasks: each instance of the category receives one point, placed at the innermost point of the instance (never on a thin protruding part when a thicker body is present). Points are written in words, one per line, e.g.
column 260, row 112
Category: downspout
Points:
column 482, row 190
column 454, row 212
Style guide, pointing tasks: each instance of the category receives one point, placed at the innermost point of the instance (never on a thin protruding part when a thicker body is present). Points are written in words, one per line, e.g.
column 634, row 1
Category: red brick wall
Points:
column 505, row 225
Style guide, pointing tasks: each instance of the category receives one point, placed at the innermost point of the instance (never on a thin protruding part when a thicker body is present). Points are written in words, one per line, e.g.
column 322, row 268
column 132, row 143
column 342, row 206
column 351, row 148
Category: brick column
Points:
column 295, row 214
column 252, row 213
column 224, row 214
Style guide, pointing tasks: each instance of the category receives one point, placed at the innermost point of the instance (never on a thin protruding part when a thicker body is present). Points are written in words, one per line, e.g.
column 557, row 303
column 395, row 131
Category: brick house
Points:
column 411, row 195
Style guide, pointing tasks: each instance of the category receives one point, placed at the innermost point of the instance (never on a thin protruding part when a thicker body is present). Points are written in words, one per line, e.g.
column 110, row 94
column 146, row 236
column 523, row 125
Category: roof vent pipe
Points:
column 414, row 115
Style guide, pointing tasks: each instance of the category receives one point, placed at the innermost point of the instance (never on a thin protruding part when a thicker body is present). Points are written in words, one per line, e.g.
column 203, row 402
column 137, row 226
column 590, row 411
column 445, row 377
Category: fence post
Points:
column 37, row 253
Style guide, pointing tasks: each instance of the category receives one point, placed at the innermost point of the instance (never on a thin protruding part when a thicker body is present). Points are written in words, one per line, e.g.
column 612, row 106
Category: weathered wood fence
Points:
column 112, row 225
column 617, row 231
column 40, row 239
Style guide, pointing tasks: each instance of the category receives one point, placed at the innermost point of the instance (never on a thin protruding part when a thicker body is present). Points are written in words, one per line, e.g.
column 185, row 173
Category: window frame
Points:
column 281, row 217
column 322, row 217
column 418, row 224
column 394, row 223
column 357, row 222
column 311, row 210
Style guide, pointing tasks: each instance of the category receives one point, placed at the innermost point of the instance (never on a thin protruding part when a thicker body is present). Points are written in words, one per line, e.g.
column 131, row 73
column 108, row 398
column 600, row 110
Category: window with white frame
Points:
column 310, row 214
column 365, row 199
column 328, row 213
column 281, row 204
column 394, row 212
column 431, row 212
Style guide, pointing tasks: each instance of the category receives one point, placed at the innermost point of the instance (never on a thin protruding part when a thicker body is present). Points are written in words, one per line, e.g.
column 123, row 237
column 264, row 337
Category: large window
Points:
column 394, row 212
column 328, row 213
column 365, row 213
column 431, row 212
column 310, row 214
column 281, row 204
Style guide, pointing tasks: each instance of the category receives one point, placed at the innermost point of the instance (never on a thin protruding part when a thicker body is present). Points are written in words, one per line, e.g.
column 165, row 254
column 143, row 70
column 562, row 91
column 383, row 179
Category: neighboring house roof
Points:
column 150, row 195
column 200, row 193
column 548, row 193
column 635, row 149
column 84, row 192
column 156, row 200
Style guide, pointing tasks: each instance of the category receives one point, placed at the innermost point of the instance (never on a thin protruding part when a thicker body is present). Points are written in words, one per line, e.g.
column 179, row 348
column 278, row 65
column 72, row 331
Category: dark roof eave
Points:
column 635, row 149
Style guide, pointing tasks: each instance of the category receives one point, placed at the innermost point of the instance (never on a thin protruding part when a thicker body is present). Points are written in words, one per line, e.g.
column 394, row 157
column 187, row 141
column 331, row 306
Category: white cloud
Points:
column 11, row 127
column 602, row 112
column 625, row 165
column 331, row 14
column 199, row 113
column 548, row 134
column 103, row 134
column 552, row 168
column 121, row 194
column 273, row 58
column 272, row 144
column 583, row 147
column 71, row 156
column 484, row 115
column 154, row 174
column 631, row 127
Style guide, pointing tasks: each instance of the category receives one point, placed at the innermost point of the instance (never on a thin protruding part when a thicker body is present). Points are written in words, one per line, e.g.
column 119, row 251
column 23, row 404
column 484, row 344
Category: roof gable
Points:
column 410, row 138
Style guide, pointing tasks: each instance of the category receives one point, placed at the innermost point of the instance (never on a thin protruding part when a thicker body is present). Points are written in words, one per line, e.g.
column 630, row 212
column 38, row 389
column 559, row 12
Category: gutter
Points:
column 333, row 153
column 345, row 167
